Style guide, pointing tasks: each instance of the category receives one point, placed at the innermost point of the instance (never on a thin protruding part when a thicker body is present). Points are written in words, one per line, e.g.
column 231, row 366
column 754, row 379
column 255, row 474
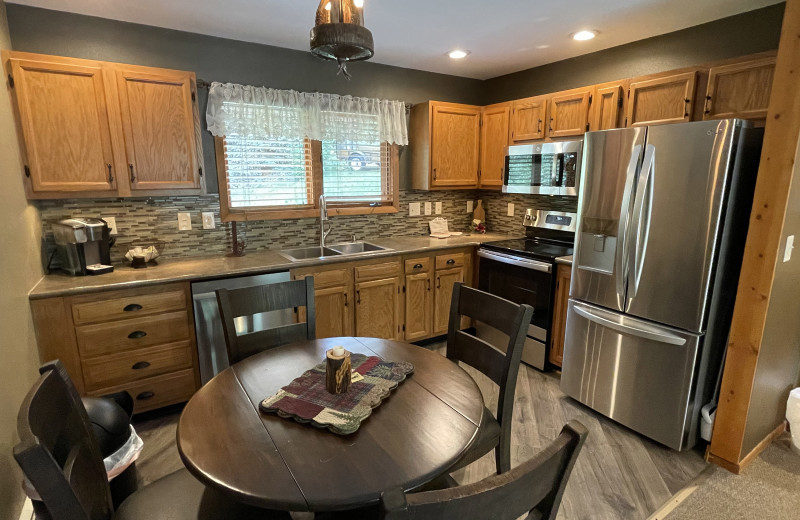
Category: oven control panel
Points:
column 559, row 220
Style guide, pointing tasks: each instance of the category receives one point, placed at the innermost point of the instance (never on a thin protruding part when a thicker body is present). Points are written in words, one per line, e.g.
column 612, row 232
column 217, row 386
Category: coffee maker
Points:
column 83, row 246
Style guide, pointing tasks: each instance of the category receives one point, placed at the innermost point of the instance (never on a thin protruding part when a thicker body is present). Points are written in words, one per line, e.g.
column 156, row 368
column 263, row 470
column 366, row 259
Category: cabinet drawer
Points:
column 107, row 338
column 322, row 279
column 377, row 271
column 128, row 307
column 155, row 392
column 449, row 261
column 418, row 265
column 116, row 369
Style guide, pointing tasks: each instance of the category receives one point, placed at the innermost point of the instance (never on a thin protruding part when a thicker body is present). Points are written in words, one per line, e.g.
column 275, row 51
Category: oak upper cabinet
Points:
column 445, row 145
column 333, row 300
column 528, row 119
column 739, row 89
column 559, row 327
column 568, row 112
column 666, row 99
column 494, row 140
column 158, row 118
column 379, row 305
column 606, row 110
column 64, row 116
column 419, row 298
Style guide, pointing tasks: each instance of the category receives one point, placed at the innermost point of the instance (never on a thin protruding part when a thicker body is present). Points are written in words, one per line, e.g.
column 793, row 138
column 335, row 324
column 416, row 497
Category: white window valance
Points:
column 268, row 113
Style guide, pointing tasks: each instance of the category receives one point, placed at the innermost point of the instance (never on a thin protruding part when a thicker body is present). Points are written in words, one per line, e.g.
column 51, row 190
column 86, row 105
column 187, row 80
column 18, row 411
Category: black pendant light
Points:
column 339, row 33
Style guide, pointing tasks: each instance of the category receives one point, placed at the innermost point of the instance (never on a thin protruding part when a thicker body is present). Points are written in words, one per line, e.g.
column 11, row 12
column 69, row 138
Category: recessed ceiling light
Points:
column 457, row 54
column 584, row 35
column 359, row 3
column 328, row 6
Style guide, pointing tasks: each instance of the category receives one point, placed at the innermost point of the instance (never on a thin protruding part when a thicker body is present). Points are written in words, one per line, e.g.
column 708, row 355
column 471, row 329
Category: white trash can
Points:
column 793, row 416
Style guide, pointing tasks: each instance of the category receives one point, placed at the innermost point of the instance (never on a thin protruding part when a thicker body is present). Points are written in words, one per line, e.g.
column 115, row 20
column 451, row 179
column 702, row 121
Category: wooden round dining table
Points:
column 264, row 460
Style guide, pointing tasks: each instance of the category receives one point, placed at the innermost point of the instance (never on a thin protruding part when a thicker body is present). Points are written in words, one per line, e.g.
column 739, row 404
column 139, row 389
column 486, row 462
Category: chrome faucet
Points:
column 323, row 218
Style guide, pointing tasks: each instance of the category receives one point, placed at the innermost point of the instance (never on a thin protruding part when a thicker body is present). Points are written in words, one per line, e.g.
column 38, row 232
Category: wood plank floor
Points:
column 619, row 474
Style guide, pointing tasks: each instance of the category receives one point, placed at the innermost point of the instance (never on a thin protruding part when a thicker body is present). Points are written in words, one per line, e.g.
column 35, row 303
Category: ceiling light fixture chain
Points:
column 339, row 33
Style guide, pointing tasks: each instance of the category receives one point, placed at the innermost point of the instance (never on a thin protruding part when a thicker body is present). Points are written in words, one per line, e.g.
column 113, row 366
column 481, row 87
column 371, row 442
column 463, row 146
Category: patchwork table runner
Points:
column 307, row 401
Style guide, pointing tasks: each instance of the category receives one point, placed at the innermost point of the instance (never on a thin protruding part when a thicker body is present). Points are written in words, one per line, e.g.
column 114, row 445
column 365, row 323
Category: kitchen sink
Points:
column 306, row 253
column 355, row 248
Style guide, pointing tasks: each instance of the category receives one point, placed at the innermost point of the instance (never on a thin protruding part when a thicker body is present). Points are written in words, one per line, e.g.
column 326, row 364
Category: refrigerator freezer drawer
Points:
column 638, row 373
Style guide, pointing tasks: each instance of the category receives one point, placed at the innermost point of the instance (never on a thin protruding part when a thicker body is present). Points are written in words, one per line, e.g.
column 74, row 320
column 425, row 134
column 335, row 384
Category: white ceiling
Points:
column 503, row 36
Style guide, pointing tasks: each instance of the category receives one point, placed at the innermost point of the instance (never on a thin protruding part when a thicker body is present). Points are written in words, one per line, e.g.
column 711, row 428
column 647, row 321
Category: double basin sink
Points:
column 316, row 252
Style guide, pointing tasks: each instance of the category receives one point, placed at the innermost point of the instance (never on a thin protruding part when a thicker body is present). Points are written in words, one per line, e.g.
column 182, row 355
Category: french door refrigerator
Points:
column 662, row 220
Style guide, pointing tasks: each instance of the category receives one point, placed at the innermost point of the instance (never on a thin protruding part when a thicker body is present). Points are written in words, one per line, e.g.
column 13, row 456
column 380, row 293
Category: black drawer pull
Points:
column 417, row 266
column 145, row 396
column 132, row 307
column 136, row 334
column 451, row 262
column 140, row 365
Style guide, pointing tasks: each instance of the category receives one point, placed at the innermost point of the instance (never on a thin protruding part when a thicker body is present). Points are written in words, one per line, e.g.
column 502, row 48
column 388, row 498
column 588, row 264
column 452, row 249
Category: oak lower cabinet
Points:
column 663, row 99
column 333, row 300
column 451, row 268
column 138, row 340
column 419, row 298
column 528, row 119
column 559, row 326
column 739, row 89
column 494, row 140
column 569, row 112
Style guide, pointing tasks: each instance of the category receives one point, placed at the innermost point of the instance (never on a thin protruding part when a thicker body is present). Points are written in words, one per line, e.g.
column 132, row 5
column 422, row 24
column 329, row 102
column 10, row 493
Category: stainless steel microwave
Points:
column 543, row 168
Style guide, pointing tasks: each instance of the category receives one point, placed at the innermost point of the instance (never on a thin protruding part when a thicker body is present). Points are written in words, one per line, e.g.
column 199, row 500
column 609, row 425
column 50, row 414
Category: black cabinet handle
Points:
column 358, row 297
column 417, row 266
column 132, row 307
column 133, row 176
column 345, row 299
column 137, row 334
column 451, row 262
column 140, row 365
column 434, row 174
column 110, row 176
column 144, row 396
column 539, row 127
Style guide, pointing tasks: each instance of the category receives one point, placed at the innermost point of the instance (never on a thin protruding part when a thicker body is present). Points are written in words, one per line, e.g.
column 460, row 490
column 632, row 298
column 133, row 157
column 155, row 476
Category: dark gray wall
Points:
column 730, row 37
column 218, row 59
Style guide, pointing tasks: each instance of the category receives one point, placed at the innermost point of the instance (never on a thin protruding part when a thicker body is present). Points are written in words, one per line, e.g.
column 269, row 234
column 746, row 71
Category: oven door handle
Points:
column 514, row 260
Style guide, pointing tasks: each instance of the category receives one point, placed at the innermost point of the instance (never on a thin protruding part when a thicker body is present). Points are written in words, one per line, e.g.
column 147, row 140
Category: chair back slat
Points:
column 58, row 452
column 535, row 487
column 248, row 301
column 479, row 354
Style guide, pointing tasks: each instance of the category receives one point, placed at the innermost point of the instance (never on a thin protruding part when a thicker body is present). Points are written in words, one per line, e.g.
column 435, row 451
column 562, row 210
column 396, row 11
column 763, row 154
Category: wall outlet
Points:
column 437, row 208
column 184, row 221
column 413, row 209
column 112, row 224
column 208, row 220
column 469, row 206
column 510, row 209
column 428, row 208
column 787, row 253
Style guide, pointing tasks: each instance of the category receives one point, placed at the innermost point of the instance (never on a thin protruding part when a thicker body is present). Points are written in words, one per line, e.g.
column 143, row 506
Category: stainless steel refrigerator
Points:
column 662, row 219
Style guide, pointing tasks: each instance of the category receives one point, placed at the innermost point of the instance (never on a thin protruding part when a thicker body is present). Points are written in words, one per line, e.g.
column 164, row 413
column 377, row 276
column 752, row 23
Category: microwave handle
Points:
column 560, row 159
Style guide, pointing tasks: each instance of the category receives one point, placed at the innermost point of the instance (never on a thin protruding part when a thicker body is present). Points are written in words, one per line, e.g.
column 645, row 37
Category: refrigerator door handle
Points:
column 642, row 210
column 621, row 257
column 648, row 333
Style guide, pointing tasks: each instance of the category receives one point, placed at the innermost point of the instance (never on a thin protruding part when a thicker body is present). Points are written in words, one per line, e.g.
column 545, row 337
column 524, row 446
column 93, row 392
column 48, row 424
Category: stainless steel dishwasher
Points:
column 211, row 352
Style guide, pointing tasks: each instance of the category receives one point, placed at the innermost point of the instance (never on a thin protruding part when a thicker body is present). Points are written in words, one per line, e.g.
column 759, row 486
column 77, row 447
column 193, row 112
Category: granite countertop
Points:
column 566, row 260
column 218, row 266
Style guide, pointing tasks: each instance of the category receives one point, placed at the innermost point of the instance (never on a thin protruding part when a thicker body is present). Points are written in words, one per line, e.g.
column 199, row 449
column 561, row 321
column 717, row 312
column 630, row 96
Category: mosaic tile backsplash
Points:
column 141, row 221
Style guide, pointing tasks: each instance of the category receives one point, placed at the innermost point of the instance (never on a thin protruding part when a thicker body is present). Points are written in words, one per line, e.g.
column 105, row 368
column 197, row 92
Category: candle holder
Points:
column 337, row 370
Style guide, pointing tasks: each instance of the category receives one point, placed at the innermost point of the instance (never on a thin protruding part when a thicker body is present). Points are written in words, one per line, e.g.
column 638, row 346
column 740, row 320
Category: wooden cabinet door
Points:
column 494, row 141
column 333, row 309
column 661, row 100
column 158, row 118
column 378, row 309
column 65, row 126
column 559, row 329
column 739, row 90
column 445, row 280
column 527, row 119
column 605, row 111
column 569, row 113
column 419, row 306
column 455, row 145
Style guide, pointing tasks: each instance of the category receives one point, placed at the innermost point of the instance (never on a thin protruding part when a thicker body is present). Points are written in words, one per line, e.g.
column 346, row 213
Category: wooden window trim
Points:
column 392, row 172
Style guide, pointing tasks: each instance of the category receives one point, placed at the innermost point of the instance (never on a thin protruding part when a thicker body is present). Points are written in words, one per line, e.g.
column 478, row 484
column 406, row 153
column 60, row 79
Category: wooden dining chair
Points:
column 512, row 320
column 59, row 455
column 534, row 487
column 234, row 303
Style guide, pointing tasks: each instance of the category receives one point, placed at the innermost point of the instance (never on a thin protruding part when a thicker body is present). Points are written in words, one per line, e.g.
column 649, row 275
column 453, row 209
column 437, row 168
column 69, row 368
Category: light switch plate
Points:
column 413, row 209
column 510, row 209
column 469, row 206
column 438, row 208
column 184, row 221
column 208, row 220
column 112, row 224
column 787, row 253
column 428, row 208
